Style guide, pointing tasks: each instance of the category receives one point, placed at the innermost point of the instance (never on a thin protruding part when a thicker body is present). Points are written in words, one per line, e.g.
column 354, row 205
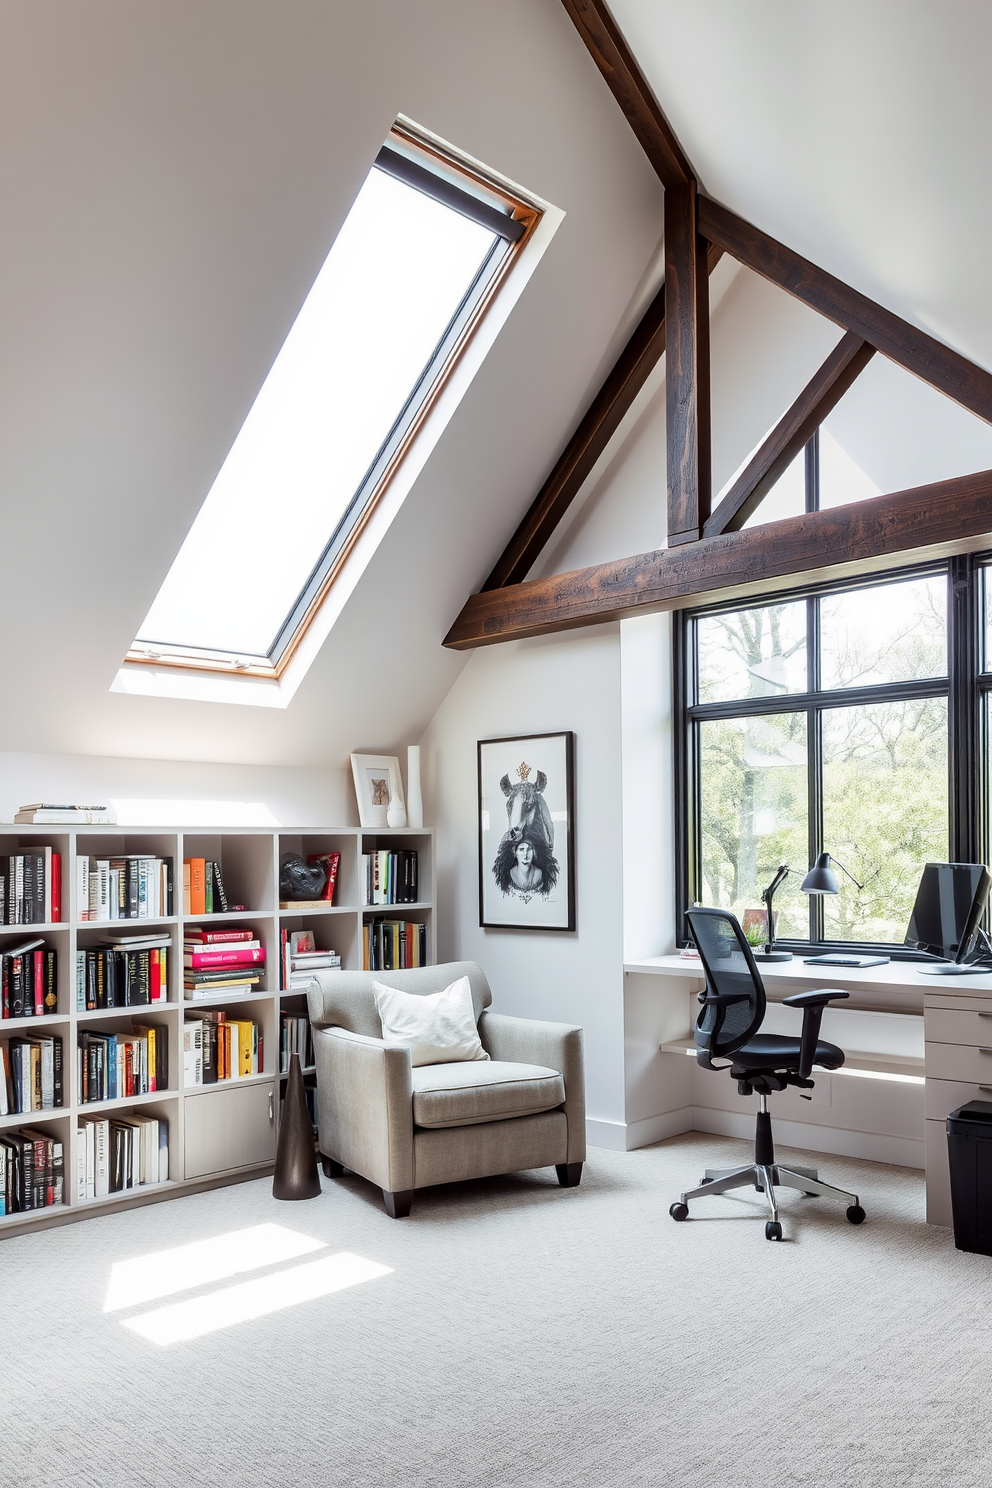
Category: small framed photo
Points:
column 377, row 783
column 527, row 832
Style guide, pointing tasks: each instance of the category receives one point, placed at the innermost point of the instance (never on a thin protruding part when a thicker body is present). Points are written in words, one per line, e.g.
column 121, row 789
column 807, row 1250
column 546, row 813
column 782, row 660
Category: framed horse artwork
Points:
column 527, row 832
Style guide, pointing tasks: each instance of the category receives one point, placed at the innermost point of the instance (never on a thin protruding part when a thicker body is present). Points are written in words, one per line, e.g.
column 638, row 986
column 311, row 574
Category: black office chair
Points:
column 728, row 1027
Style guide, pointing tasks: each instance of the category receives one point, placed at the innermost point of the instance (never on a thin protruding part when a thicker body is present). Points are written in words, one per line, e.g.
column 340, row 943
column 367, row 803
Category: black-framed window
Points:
column 850, row 717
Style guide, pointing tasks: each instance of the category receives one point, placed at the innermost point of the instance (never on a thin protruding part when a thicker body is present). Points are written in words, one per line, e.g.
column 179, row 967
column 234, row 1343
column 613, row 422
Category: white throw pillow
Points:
column 438, row 1028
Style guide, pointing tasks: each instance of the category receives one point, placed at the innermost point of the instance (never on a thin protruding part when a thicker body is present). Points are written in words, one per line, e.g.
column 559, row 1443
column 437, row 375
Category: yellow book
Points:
column 246, row 1039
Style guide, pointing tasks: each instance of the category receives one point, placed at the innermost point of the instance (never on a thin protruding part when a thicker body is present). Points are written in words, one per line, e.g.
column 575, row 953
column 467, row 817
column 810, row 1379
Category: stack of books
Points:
column 391, row 877
column 31, row 887
column 203, row 888
column 131, row 887
column 216, row 1047
column 228, row 962
column 30, row 1075
column 117, row 1066
column 28, row 980
column 301, row 958
column 391, row 945
column 45, row 813
column 31, row 1171
column 129, row 971
column 115, row 1153
column 295, row 1037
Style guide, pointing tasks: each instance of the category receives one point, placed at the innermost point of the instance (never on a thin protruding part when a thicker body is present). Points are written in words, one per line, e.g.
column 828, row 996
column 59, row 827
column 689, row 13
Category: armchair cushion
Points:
column 468, row 1094
column 437, row 1027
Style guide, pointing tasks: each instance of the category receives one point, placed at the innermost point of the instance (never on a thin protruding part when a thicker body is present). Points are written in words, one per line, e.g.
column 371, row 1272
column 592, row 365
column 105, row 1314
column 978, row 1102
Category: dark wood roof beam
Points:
column 931, row 360
column 862, row 536
column 627, row 83
column 774, row 456
column 687, row 370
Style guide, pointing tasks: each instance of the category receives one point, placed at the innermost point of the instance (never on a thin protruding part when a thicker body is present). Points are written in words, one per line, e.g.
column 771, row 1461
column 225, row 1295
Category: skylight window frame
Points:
column 423, row 162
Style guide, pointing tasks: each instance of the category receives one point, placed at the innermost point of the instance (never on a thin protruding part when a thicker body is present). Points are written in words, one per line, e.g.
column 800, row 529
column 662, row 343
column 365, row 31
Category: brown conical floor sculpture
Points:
column 296, row 1174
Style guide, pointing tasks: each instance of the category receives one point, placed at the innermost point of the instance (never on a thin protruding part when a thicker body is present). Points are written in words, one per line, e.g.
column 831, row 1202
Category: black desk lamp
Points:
column 821, row 879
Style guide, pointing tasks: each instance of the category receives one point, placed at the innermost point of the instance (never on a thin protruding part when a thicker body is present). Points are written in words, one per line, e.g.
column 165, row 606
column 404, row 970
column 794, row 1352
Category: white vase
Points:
column 395, row 814
column 414, row 799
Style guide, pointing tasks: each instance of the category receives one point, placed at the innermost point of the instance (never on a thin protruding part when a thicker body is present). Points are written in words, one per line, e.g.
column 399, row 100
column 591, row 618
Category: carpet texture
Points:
column 525, row 1335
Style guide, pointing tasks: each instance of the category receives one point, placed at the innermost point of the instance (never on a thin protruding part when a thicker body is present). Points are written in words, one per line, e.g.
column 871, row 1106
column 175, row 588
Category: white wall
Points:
column 150, row 792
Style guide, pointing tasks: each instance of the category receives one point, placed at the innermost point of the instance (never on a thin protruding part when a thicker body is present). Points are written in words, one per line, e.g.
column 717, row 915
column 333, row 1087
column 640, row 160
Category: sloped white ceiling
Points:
column 171, row 177
column 856, row 132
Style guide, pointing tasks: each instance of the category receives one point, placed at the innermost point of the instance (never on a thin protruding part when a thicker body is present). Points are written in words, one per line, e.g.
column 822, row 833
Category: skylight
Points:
column 399, row 291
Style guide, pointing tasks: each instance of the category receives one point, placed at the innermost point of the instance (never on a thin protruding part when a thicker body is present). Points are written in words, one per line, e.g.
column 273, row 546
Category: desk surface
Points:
column 893, row 976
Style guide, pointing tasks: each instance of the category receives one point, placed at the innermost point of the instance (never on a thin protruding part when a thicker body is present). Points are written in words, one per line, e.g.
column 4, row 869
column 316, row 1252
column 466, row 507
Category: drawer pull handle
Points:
column 985, row 1087
column 984, row 1051
column 271, row 1109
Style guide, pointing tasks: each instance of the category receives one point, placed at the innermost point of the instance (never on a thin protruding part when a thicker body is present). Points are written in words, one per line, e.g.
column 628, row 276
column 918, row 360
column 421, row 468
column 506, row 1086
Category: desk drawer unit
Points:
column 958, row 1031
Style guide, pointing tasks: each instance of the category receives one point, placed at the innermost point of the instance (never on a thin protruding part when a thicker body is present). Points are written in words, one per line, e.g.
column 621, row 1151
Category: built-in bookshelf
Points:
column 217, row 1133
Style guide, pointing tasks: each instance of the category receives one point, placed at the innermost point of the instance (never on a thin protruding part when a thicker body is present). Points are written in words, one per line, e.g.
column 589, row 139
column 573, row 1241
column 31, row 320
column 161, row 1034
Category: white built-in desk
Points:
column 916, row 1048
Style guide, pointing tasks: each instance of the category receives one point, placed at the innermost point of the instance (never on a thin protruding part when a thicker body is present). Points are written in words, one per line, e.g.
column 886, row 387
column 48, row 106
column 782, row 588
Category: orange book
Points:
column 197, row 885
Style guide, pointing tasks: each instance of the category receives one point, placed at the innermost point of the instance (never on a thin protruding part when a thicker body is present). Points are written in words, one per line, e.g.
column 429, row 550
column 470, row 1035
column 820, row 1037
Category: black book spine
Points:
column 58, row 1085
column 91, row 960
column 5, row 986
column 220, row 893
column 28, row 973
column 25, row 1194
column 169, row 890
column 11, row 900
column 16, row 986
column 132, row 888
column 58, row 1172
column 101, row 979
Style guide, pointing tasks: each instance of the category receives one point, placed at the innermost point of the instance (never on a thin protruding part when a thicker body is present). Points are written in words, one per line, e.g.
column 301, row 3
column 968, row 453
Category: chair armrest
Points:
column 812, row 1004
column 722, row 999
column 813, row 999
column 365, row 1106
column 555, row 1045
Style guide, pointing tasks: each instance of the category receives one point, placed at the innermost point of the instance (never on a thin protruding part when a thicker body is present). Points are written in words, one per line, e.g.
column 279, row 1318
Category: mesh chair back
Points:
column 729, row 967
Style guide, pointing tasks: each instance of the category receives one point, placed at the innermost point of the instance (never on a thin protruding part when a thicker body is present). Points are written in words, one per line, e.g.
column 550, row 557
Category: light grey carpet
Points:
column 526, row 1335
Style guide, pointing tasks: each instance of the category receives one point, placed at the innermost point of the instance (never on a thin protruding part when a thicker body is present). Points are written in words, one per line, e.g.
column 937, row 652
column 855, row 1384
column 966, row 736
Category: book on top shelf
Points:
column 49, row 813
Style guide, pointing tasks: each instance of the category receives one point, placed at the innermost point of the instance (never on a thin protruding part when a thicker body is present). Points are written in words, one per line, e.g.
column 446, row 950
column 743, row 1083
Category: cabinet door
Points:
column 229, row 1128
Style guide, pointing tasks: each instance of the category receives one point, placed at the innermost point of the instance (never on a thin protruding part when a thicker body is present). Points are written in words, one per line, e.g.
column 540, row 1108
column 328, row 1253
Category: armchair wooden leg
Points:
column 331, row 1168
column 398, row 1204
column 569, row 1174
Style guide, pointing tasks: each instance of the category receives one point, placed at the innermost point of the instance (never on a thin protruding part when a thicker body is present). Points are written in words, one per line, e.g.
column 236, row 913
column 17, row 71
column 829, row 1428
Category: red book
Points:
column 56, row 887
column 224, row 958
column 154, row 977
column 330, row 862
column 218, row 937
column 39, row 983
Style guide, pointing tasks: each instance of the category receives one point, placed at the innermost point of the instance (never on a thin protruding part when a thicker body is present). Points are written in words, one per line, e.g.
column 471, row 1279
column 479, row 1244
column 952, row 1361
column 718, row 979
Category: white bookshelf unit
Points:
column 218, row 1133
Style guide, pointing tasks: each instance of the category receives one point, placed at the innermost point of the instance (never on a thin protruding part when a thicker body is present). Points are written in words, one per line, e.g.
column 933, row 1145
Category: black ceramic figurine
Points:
column 296, row 1175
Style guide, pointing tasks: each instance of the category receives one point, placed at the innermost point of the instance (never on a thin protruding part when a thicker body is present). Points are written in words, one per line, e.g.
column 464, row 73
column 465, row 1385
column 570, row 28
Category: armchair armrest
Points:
column 812, row 1004
column 722, row 999
column 556, row 1046
column 365, row 1106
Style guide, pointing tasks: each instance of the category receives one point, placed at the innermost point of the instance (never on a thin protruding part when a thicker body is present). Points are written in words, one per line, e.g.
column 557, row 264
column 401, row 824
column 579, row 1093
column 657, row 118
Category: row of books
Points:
column 31, row 1171
column 391, row 877
column 203, row 888
column 30, row 1075
column 31, row 887
column 114, row 1153
column 28, row 981
column 216, row 1047
column 128, row 973
column 132, row 886
column 115, row 1066
column 295, row 1037
column 391, row 945
column 300, row 958
column 229, row 962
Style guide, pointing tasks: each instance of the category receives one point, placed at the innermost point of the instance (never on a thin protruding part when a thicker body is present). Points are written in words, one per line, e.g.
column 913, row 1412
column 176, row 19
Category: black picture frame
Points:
column 517, row 890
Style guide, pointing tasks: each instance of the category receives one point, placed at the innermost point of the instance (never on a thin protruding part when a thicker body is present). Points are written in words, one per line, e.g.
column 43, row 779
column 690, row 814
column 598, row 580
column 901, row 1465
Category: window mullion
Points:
column 963, row 710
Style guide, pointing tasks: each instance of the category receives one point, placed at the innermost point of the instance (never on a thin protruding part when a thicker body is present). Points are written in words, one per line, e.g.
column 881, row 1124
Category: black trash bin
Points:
column 969, row 1153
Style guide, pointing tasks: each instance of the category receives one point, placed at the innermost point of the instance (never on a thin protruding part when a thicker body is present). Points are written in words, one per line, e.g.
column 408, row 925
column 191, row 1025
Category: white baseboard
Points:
column 619, row 1136
column 902, row 1152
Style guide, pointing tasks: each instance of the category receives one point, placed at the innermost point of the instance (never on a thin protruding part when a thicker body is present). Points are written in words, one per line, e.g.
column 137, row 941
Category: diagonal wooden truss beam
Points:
column 861, row 536
column 687, row 379
column 613, row 57
column 770, row 461
column 942, row 368
column 600, row 422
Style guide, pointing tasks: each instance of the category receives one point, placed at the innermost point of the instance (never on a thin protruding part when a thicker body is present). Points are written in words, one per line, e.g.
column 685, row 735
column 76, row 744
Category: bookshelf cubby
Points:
column 218, row 1133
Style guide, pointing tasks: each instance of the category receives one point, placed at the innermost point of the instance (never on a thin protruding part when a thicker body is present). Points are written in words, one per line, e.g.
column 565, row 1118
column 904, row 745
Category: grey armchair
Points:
column 405, row 1128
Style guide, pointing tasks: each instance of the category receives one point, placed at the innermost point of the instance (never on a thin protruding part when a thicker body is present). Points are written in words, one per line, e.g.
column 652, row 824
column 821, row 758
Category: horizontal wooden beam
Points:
column 600, row 422
column 630, row 88
column 863, row 533
column 931, row 360
column 771, row 460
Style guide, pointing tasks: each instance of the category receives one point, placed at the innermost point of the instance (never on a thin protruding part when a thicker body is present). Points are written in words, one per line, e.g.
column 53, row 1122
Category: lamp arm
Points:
column 845, row 871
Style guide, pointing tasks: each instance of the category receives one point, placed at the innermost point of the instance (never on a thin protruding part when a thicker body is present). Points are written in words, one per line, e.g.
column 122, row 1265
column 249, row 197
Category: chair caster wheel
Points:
column 773, row 1230
column 856, row 1214
column 679, row 1211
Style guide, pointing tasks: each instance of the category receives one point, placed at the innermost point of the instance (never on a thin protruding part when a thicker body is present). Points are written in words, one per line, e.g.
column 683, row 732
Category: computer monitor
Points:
column 945, row 920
